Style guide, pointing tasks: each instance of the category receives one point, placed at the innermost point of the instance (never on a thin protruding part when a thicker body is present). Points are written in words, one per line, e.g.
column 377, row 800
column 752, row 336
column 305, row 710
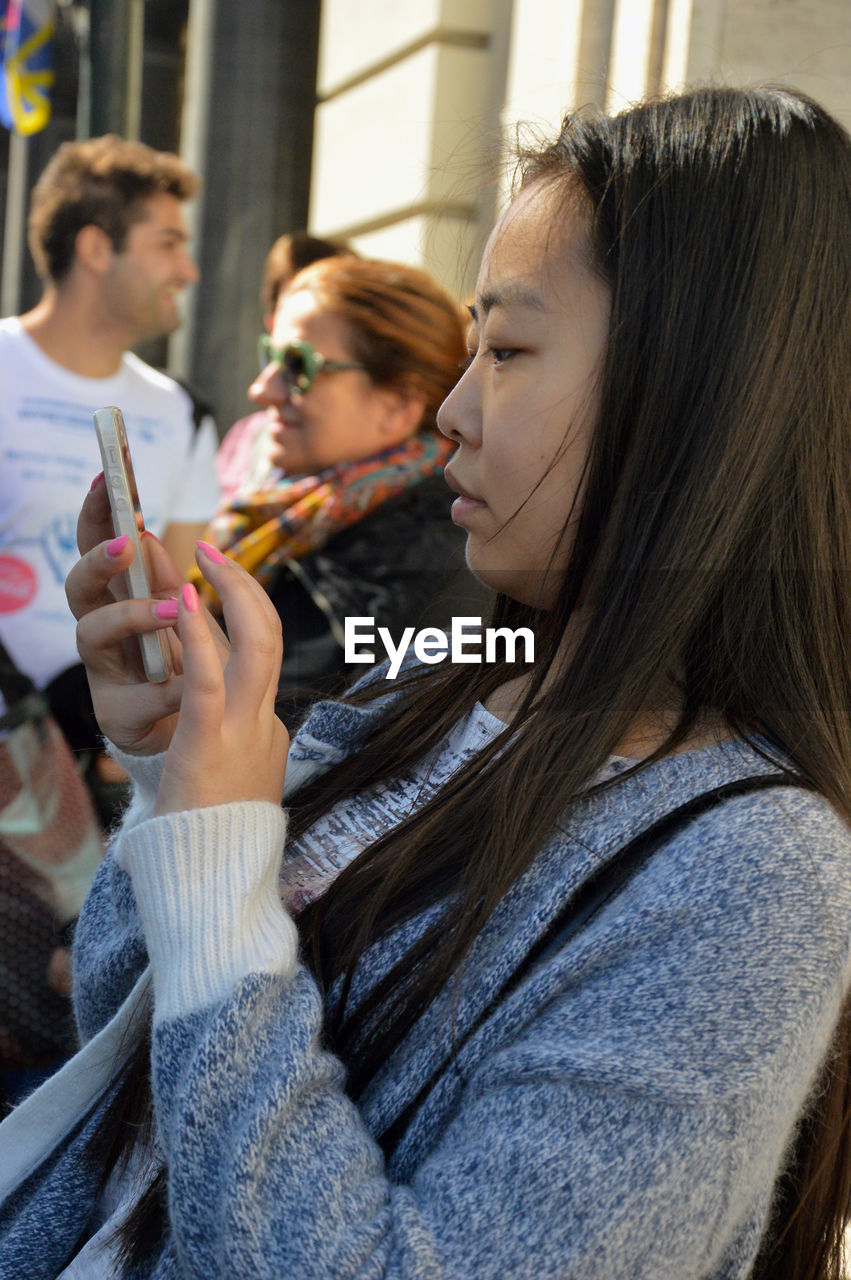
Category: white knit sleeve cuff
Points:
column 206, row 883
column 145, row 774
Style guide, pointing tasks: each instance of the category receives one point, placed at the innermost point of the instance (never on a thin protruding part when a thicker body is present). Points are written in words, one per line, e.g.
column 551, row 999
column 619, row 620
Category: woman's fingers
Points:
column 228, row 745
column 109, row 622
column 94, row 523
column 98, row 576
column 203, row 704
column 254, row 629
column 161, row 571
column 163, row 575
column 101, row 634
column 135, row 714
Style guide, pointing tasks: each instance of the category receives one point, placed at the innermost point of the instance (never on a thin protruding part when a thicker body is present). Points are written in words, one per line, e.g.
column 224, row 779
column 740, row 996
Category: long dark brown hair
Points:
column 712, row 552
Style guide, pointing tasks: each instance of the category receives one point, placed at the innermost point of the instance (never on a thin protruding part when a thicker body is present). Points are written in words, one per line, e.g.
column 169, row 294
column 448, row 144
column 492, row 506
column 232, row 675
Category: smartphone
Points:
column 127, row 518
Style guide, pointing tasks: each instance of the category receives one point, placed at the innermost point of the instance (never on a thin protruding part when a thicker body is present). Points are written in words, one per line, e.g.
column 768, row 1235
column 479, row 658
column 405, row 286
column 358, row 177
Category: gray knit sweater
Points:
column 623, row 1114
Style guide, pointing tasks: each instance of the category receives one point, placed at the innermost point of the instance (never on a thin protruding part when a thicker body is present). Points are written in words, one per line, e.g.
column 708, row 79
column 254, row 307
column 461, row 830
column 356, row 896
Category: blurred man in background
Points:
column 107, row 233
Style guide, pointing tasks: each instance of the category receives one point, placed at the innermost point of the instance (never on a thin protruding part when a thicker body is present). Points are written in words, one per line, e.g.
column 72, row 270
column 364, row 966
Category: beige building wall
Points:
column 420, row 100
column 409, row 108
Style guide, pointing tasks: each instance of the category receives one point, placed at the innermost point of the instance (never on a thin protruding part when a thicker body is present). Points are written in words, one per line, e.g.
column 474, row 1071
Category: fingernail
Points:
column 166, row 609
column 189, row 596
column 117, row 545
column 96, row 482
column 146, row 533
column 211, row 552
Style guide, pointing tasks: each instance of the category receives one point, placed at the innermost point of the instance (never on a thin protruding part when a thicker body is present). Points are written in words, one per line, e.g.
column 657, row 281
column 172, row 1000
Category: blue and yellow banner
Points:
column 27, row 29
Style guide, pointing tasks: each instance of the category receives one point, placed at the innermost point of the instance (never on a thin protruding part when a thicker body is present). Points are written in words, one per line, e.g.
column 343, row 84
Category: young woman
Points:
column 548, row 978
column 347, row 514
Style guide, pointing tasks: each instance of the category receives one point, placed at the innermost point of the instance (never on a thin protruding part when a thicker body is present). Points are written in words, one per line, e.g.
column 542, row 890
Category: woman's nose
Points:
column 459, row 417
column 269, row 387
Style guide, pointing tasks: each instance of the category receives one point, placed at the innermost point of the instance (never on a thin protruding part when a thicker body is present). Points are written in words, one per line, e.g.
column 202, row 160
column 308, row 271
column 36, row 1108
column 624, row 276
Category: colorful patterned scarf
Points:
column 292, row 517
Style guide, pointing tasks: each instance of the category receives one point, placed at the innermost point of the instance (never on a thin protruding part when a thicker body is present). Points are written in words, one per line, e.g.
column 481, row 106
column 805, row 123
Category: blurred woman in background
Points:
column 242, row 461
column 353, row 520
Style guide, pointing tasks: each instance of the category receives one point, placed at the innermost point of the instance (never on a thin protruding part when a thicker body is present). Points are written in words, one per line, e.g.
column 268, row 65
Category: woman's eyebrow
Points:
column 507, row 295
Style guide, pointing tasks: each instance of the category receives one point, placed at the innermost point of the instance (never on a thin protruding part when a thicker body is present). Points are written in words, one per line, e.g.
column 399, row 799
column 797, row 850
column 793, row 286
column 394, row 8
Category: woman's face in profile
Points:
column 343, row 417
column 524, row 410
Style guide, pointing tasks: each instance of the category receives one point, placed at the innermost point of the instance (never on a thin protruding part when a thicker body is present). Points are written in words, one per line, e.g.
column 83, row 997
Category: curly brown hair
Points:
column 103, row 181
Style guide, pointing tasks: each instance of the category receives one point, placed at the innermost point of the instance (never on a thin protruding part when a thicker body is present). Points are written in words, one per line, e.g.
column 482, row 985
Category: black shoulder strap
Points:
column 610, row 878
column 14, row 684
column 201, row 406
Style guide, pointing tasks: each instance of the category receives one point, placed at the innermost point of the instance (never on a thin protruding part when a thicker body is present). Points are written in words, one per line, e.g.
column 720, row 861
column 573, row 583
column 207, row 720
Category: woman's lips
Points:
column 279, row 426
column 466, row 504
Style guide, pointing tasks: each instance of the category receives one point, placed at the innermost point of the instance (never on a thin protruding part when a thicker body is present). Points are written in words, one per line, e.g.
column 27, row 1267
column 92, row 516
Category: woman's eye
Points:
column 496, row 355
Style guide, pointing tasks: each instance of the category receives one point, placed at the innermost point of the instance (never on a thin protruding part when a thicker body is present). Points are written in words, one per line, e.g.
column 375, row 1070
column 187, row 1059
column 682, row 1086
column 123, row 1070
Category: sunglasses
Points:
column 299, row 363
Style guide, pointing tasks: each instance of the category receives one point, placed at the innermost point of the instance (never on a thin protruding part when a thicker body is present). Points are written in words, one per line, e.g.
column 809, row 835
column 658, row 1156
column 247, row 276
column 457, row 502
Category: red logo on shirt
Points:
column 17, row 584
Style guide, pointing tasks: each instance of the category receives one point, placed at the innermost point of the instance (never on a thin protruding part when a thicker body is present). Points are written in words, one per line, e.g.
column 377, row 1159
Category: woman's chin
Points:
column 533, row 586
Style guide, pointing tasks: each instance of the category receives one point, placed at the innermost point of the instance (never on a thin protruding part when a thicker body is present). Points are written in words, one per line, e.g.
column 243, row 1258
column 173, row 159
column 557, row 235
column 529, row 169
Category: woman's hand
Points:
column 228, row 744
column 139, row 717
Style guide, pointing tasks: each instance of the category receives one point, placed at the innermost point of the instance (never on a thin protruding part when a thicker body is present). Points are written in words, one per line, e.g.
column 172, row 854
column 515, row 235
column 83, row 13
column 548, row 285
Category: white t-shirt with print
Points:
column 48, row 458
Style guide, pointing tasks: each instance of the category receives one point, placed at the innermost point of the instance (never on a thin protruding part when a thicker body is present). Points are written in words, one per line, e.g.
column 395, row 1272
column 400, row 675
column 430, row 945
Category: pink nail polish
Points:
column 211, row 552
column 96, row 482
column 189, row 596
column 166, row 609
column 117, row 545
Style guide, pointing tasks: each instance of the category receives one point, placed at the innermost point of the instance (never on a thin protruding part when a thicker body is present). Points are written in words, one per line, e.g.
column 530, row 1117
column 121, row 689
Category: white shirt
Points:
column 48, row 458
